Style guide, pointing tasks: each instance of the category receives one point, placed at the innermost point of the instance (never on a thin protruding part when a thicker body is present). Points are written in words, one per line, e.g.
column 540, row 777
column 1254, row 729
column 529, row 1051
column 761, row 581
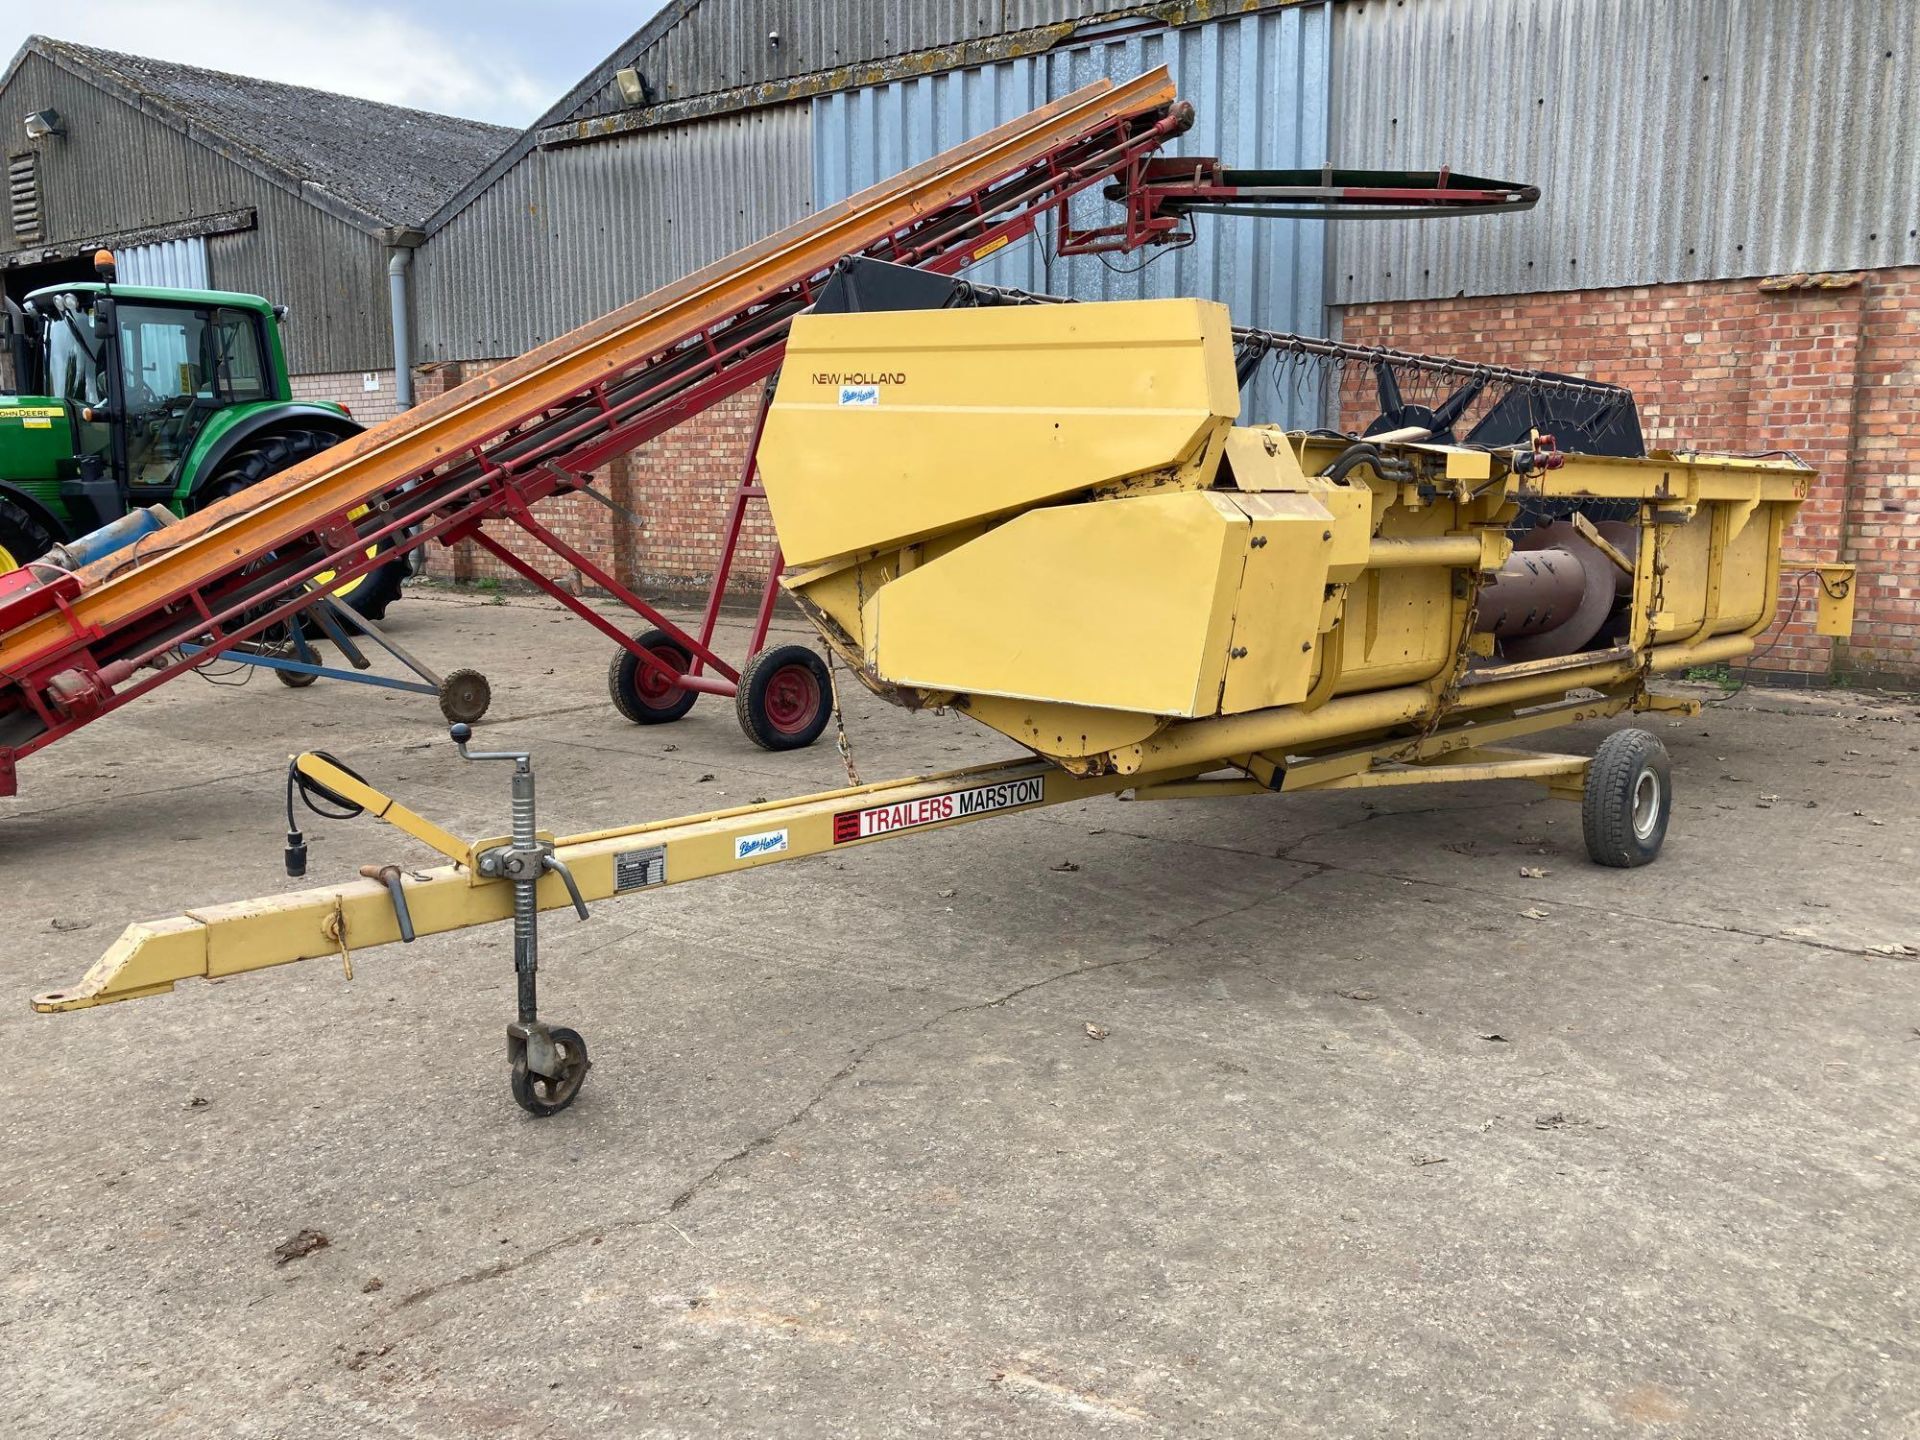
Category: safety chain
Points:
column 842, row 742
column 1656, row 604
column 1462, row 659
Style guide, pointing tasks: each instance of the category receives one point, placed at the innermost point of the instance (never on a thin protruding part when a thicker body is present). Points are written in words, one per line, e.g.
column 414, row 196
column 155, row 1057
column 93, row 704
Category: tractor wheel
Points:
column 22, row 536
column 644, row 696
column 373, row 592
column 785, row 698
column 1628, row 799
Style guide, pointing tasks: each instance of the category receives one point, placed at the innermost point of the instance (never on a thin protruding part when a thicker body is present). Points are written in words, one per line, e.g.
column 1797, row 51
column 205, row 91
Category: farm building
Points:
column 202, row 180
column 1751, row 304
column 1747, row 309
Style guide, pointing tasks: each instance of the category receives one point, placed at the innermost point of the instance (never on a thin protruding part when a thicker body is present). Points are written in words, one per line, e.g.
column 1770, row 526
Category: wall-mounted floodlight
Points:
column 42, row 123
column 633, row 89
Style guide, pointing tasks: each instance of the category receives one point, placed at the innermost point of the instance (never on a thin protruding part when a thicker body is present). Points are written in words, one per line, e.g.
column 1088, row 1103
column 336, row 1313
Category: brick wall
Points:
column 1828, row 367
column 349, row 388
column 679, row 485
column 1825, row 366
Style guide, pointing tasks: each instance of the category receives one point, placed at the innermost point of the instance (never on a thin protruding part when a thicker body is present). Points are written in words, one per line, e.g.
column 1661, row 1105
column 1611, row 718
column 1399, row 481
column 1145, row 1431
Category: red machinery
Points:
column 76, row 647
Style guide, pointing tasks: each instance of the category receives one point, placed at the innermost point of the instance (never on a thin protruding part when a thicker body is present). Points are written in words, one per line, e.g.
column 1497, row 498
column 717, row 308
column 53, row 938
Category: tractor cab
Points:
column 153, row 370
column 116, row 398
column 138, row 375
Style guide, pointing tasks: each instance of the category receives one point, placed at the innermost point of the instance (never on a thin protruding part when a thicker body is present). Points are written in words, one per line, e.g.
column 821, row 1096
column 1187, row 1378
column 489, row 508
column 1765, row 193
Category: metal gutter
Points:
column 228, row 222
column 861, row 74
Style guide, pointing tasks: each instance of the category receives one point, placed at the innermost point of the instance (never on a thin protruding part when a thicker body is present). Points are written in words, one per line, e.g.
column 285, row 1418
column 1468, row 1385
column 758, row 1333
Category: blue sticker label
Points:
column 748, row 847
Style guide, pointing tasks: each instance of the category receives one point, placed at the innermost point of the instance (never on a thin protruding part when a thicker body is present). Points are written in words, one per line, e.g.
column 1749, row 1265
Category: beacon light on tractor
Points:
column 1043, row 517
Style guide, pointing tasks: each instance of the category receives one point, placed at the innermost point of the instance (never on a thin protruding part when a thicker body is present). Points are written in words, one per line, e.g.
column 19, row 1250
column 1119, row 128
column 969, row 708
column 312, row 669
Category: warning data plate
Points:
column 850, row 825
column 637, row 869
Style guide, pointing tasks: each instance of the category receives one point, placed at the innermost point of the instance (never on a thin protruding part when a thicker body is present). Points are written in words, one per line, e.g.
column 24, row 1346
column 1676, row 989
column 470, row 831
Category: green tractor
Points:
column 128, row 396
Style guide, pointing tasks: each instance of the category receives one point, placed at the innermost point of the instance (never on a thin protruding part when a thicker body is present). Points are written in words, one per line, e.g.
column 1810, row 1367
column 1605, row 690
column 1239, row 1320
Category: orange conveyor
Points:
column 78, row 646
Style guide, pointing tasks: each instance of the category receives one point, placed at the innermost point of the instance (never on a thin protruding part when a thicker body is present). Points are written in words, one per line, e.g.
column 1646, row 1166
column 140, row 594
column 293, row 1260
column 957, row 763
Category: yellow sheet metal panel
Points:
column 896, row 425
column 1122, row 604
column 1682, row 587
column 1262, row 458
column 1396, row 628
column 1067, row 733
column 1835, row 615
column 1745, row 588
column 1277, row 615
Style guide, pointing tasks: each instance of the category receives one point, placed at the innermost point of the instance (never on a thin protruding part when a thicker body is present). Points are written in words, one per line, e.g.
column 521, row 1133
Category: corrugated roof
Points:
column 384, row 165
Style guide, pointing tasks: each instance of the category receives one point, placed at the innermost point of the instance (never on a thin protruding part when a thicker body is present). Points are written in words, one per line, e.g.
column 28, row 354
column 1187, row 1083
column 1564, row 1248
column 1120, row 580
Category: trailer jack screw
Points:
column 549, row 1062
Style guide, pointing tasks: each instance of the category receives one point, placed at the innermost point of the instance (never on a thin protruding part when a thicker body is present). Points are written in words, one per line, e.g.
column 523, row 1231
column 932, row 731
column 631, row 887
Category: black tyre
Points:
column 544, row 1095
column 785, row 697
column 279, row 639
column 464, row 696
column 373, row 592
column 22, row 536
column 642, row 695
column 1628, row 799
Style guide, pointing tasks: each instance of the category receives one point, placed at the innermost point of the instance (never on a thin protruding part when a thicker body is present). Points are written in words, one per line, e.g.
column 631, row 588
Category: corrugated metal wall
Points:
column 180, row 264
column 570, row 233
column 722, row 44
column 119, row 170
column 1260, row 84
column 1711, row 139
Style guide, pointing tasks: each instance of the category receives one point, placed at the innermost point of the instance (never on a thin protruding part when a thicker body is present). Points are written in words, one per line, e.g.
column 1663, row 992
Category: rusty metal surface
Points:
column 1592, row 585
column 720, row 51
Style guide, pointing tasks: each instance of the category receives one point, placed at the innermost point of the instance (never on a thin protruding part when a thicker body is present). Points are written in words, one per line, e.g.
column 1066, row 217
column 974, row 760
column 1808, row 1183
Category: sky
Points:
column 498, row 60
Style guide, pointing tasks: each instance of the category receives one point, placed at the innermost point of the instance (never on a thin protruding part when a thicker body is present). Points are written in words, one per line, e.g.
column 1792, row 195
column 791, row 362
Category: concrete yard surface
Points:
column 1314, row 1116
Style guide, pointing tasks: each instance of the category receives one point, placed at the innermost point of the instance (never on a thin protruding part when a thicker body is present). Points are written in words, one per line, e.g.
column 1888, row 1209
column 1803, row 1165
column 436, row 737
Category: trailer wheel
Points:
column 785, row 698
column 642, row 695
column 280, row 637
column 464, row 696
column 1628, row 799
column 544, row 1095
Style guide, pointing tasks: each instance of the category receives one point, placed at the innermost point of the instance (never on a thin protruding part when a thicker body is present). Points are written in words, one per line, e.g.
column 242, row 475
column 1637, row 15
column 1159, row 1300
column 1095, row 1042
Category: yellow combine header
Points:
column 1045, row 518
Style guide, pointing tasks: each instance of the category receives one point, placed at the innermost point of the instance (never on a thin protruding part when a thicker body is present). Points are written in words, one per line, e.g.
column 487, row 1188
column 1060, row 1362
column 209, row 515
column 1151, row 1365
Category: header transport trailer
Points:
column 1044, row 518
column 126, row 609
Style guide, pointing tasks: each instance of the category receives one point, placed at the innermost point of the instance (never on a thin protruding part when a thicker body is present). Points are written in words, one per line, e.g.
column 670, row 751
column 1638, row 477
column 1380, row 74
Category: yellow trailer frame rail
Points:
column 1046, row 520
column 513, row 877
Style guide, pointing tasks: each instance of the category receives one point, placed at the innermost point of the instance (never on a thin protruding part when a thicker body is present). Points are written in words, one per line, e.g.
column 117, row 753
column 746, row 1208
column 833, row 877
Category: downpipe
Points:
column 399, row 263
